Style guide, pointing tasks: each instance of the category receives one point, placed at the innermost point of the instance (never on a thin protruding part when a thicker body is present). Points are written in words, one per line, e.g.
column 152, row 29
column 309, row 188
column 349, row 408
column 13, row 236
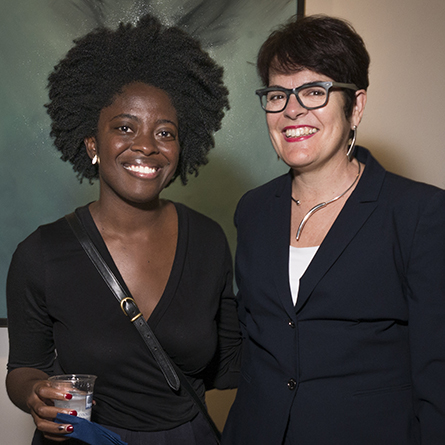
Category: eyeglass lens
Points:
column 310, row 97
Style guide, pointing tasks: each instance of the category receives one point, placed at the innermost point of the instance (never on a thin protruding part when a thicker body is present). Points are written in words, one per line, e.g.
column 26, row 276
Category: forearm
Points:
column 229, row 338
column 20, row 383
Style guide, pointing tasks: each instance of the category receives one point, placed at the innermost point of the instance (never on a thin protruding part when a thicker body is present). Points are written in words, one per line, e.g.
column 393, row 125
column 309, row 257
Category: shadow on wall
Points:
column 218, row 404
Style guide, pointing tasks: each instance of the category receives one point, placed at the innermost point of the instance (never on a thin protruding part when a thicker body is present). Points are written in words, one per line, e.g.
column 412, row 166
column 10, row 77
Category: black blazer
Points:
column 360, row 359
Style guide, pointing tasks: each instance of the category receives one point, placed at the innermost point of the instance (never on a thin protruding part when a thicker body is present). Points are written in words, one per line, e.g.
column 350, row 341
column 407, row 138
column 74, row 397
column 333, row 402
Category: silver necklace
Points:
column 322, row 205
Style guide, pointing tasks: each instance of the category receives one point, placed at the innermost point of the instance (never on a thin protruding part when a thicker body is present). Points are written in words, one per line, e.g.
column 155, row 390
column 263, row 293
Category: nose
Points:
column 294, row 108
column 145, row 143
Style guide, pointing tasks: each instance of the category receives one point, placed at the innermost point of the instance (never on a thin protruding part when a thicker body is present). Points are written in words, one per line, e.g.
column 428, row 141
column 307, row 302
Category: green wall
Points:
column 37, row 187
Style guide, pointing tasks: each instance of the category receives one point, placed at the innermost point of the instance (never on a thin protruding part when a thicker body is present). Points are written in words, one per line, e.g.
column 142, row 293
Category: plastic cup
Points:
column 81, row 387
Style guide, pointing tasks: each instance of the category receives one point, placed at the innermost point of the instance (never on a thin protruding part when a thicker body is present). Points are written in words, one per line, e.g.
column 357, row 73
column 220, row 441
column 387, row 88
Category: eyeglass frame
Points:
column 288, row 91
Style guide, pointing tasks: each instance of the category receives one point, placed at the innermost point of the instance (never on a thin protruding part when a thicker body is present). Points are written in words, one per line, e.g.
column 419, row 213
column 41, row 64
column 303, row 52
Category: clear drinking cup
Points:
column 81, row 387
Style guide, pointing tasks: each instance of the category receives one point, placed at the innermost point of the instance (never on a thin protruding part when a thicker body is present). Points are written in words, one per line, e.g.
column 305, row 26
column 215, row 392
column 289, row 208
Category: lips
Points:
column 299, row 132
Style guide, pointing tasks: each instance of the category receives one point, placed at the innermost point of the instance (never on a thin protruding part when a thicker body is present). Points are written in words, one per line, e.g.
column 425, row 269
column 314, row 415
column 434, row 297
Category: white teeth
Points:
column 140, row 169
column 298, row 132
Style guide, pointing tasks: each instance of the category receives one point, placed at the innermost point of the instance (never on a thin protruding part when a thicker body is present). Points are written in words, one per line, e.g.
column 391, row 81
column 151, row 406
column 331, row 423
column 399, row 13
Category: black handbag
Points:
column 174, row 376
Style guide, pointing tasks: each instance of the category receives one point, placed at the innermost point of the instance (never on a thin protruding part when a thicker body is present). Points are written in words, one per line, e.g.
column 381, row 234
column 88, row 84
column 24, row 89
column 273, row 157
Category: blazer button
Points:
column 291, row 324
column 291, row 384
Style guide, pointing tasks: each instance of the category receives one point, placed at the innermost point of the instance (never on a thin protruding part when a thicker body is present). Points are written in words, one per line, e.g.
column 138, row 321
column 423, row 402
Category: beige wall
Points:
column 404, row 122
column 16, row 427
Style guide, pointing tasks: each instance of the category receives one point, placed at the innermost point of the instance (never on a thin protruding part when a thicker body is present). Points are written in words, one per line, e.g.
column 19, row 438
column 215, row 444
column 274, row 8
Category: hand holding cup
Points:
column 80, row 387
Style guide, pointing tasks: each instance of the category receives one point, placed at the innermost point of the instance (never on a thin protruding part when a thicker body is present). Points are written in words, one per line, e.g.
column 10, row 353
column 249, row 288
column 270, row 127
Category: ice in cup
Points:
column 81, row 387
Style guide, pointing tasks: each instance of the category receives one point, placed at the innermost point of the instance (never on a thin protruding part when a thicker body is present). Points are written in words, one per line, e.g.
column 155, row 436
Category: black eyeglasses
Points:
column 310, row 95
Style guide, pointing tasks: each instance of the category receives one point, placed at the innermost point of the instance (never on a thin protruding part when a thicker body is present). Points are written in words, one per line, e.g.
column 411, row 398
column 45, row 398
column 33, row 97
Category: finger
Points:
column 47, row 426
column 63, row 433
column 56, row 438
column 46, row 412
column 47, row 392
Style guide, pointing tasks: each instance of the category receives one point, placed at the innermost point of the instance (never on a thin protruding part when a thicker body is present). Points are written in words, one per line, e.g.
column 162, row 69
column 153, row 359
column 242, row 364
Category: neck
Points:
column 311, row 187
column 114, row 215
column 323, row 204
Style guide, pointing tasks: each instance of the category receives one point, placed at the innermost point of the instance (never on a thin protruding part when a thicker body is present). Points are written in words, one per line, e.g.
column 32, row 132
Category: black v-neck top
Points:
column 59, row 306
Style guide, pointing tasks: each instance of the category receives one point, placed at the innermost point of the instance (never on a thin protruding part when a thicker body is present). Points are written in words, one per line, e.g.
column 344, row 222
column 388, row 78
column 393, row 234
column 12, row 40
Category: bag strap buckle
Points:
column 129, row 300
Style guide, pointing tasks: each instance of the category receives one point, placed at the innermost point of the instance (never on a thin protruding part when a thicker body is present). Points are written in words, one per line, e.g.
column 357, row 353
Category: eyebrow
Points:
column 280, row 87
column 306, row 83
column 167, row 121
column 135, row 118
column 128, row 116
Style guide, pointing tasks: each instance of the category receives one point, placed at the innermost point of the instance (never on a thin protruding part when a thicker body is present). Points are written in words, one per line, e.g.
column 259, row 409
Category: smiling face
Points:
column 307, row 139
column 137, row 144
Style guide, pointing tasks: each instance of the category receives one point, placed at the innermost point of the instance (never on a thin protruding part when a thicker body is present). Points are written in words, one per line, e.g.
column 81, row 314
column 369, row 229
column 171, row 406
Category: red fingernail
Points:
column 70, row 428
column 73, row 413
column 68, row 396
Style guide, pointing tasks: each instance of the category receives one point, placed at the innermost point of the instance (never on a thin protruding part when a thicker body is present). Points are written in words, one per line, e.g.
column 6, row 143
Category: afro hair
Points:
column 104, row 61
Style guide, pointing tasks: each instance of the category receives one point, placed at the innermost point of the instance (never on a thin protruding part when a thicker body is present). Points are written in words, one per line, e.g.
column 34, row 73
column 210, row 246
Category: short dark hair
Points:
column 104, row 61
column 320, row 43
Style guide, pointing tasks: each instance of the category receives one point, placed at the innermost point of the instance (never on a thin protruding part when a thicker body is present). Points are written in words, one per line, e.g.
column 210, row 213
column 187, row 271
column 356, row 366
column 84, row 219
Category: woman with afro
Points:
column 134, row 108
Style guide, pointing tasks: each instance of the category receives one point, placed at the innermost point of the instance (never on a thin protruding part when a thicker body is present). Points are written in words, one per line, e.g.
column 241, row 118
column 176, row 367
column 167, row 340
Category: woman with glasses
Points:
column 340, row 266
column 127, row 109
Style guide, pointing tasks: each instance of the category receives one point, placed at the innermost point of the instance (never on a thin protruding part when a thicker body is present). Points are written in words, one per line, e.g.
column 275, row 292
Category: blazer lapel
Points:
column 358, row 208
column 279, row 222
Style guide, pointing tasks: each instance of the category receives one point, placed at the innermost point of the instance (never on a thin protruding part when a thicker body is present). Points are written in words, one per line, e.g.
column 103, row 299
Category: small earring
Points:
column 94, row 160
column 351, row 147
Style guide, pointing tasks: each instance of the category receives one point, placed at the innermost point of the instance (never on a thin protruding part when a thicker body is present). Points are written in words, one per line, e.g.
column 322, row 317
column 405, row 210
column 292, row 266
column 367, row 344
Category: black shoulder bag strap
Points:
column 174, row 376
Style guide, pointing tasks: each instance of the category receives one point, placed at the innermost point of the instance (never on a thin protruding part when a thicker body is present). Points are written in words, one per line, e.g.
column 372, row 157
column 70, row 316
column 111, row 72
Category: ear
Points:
column 91, row 145
column 359, row 107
